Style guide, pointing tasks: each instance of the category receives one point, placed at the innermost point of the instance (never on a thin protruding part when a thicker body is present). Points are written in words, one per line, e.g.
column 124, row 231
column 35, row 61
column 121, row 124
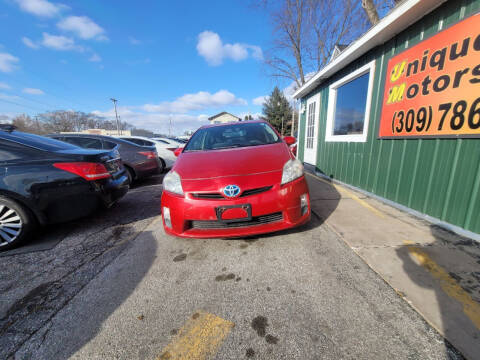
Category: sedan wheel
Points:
column 15, row 223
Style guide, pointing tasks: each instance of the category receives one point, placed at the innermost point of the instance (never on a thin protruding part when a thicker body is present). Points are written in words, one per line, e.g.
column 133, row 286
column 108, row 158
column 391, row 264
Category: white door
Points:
column 311, row 130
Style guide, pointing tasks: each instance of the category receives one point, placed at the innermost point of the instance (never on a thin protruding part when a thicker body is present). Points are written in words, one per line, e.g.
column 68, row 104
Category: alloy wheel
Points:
column 10, row 225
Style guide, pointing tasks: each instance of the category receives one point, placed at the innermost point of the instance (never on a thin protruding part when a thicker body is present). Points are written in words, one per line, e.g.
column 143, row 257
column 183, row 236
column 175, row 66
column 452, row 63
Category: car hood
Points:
column 230, row 162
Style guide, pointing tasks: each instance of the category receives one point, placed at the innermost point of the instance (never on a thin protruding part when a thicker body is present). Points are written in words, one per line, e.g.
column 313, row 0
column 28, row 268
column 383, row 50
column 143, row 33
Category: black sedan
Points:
column 44, row 181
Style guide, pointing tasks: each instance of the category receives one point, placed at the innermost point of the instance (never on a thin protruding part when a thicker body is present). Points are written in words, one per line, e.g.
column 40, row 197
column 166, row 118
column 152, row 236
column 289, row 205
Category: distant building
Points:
column 223, row 117
column 101, row 132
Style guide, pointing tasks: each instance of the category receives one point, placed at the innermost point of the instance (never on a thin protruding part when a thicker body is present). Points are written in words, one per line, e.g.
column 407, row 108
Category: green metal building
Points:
column 397, row 113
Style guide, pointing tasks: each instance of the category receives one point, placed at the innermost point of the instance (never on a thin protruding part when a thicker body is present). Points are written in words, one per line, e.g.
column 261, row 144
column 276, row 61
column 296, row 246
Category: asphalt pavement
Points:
column 115, row 286
column 300, row 294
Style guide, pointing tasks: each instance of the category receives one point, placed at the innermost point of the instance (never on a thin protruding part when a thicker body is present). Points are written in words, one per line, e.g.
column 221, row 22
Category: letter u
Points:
column 397, row 71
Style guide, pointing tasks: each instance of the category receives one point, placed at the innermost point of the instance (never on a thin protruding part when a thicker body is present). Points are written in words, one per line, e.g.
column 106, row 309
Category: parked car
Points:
column 45, row 181
column 235, row 179
column 172, row 143
column 164, row 150
column 140, row 161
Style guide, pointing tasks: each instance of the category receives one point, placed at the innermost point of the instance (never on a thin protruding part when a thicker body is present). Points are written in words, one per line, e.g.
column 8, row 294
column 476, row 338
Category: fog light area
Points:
column 304, row 203
column 166, row 217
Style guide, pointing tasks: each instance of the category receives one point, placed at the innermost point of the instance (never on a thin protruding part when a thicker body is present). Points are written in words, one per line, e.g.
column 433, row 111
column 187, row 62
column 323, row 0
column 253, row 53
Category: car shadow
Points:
column 140, row 203
column 439, row 277
column 155, row 180
column 82, row 317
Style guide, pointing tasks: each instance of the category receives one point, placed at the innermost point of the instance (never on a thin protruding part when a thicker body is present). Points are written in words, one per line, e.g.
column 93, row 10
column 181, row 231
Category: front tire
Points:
column 16, row 223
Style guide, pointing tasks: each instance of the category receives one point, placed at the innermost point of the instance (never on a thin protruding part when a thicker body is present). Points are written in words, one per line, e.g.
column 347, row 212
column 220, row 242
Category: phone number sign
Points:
column 433, row 88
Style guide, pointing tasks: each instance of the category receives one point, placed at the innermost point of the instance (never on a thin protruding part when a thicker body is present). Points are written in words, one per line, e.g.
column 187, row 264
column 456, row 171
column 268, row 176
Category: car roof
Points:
column 93, row 136
column 135, row 137
column 36, row 141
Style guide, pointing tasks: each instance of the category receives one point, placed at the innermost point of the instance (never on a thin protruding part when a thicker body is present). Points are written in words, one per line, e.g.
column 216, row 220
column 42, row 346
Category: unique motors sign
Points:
column 433, row 88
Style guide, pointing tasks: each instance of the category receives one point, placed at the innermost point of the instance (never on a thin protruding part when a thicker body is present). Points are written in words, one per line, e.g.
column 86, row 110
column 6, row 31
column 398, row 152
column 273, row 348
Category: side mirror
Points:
column 290, row 140
column 178, row 151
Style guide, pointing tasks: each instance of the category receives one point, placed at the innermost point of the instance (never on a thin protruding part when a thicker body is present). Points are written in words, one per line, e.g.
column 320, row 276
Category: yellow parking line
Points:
column 198, row 339
column 351, row 195
column 471, row 308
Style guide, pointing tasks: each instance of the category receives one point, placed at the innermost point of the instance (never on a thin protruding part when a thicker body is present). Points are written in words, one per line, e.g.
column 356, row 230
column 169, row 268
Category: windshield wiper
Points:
column 229, row 146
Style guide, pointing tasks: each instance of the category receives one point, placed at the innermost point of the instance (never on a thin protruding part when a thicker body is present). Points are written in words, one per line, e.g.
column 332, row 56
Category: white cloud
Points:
column 30, row 43
column 134, row 41
column 8, row 62
column 83, row 27
column 95, row 58
column 41, row 8
column 156, row 122
column 197, row 101
column 211, row 47
column 8, row 97
column 60, row 42
column 33, row 91
column 259, row 100
column 4, row 86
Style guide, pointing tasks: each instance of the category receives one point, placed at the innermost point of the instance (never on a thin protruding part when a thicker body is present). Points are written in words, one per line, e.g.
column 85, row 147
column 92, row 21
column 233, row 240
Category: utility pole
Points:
column 293, row 117
column 38, row 125
column 116, row 115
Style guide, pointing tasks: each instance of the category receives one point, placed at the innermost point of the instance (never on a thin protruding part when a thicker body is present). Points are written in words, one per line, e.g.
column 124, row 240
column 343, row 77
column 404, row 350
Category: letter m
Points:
column 396, row 93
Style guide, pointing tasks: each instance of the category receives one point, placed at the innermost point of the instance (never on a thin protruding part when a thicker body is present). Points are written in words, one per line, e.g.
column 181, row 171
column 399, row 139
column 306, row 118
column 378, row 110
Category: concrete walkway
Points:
column 435, row 271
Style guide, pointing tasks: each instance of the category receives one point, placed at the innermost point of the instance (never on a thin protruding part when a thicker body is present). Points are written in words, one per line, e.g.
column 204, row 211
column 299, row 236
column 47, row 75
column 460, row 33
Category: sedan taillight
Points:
column 149, row 154
column 88, row 171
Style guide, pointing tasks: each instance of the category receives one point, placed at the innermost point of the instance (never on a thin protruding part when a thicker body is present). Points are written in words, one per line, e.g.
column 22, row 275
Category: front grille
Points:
column 256, row 220
column 220, row 196
column 207, row 196
column 256, row 191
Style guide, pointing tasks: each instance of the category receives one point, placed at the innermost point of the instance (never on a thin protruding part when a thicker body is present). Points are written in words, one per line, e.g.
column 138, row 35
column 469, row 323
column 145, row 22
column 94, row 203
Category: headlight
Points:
column 292, row 170
column 173, row 183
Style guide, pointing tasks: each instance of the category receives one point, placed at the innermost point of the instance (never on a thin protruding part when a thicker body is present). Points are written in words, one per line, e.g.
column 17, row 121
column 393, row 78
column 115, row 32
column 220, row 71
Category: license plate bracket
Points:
column 230, row 213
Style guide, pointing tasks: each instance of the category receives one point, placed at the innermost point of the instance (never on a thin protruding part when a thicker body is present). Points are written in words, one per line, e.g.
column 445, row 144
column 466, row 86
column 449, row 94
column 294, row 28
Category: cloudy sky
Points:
column 162, row 60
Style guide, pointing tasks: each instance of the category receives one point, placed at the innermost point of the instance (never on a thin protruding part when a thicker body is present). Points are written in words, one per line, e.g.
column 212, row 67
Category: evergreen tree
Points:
column 276, row 108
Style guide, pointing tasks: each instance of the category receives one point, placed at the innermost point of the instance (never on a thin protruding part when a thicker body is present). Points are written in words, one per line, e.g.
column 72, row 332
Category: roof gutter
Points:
column 404, row 15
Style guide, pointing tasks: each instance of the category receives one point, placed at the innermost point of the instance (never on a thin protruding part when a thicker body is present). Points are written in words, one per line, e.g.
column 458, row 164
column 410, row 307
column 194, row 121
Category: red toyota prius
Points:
column 234, row 180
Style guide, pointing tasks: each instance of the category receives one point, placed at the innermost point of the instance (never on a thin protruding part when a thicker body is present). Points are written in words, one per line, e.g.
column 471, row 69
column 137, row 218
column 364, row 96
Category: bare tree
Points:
column 306, row 32
column 371, row 11
column 26, row 124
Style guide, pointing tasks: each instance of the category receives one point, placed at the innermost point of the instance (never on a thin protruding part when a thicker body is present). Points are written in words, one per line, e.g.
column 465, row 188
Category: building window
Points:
column 349, row 106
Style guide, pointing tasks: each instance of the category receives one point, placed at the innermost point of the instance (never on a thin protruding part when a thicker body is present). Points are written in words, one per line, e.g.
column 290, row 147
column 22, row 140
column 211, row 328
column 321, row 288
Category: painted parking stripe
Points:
column 351, row 195
column 471, row 308
column 199, row 339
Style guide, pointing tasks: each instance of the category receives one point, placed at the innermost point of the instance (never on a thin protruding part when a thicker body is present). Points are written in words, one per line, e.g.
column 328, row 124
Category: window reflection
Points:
column 351, row 101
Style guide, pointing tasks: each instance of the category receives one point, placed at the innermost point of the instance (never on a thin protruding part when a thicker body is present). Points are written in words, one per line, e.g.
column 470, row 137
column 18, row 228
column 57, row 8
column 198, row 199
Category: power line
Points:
column 22, row 105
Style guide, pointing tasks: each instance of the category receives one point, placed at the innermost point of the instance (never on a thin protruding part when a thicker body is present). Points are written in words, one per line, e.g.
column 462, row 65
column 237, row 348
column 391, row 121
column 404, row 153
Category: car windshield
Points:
column 231, row 136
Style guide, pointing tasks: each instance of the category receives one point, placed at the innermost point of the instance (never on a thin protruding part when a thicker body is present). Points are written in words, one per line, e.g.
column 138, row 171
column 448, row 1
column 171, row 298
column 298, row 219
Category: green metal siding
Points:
column 438, row 177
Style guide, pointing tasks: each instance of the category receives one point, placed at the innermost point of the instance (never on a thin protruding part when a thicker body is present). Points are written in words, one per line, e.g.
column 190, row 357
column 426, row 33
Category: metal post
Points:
column 293, row 119
column 116, row 115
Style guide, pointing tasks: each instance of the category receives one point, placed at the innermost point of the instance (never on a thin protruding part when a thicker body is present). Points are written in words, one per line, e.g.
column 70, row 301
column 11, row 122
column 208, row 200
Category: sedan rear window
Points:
column 230, row 136
column 39, row 142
